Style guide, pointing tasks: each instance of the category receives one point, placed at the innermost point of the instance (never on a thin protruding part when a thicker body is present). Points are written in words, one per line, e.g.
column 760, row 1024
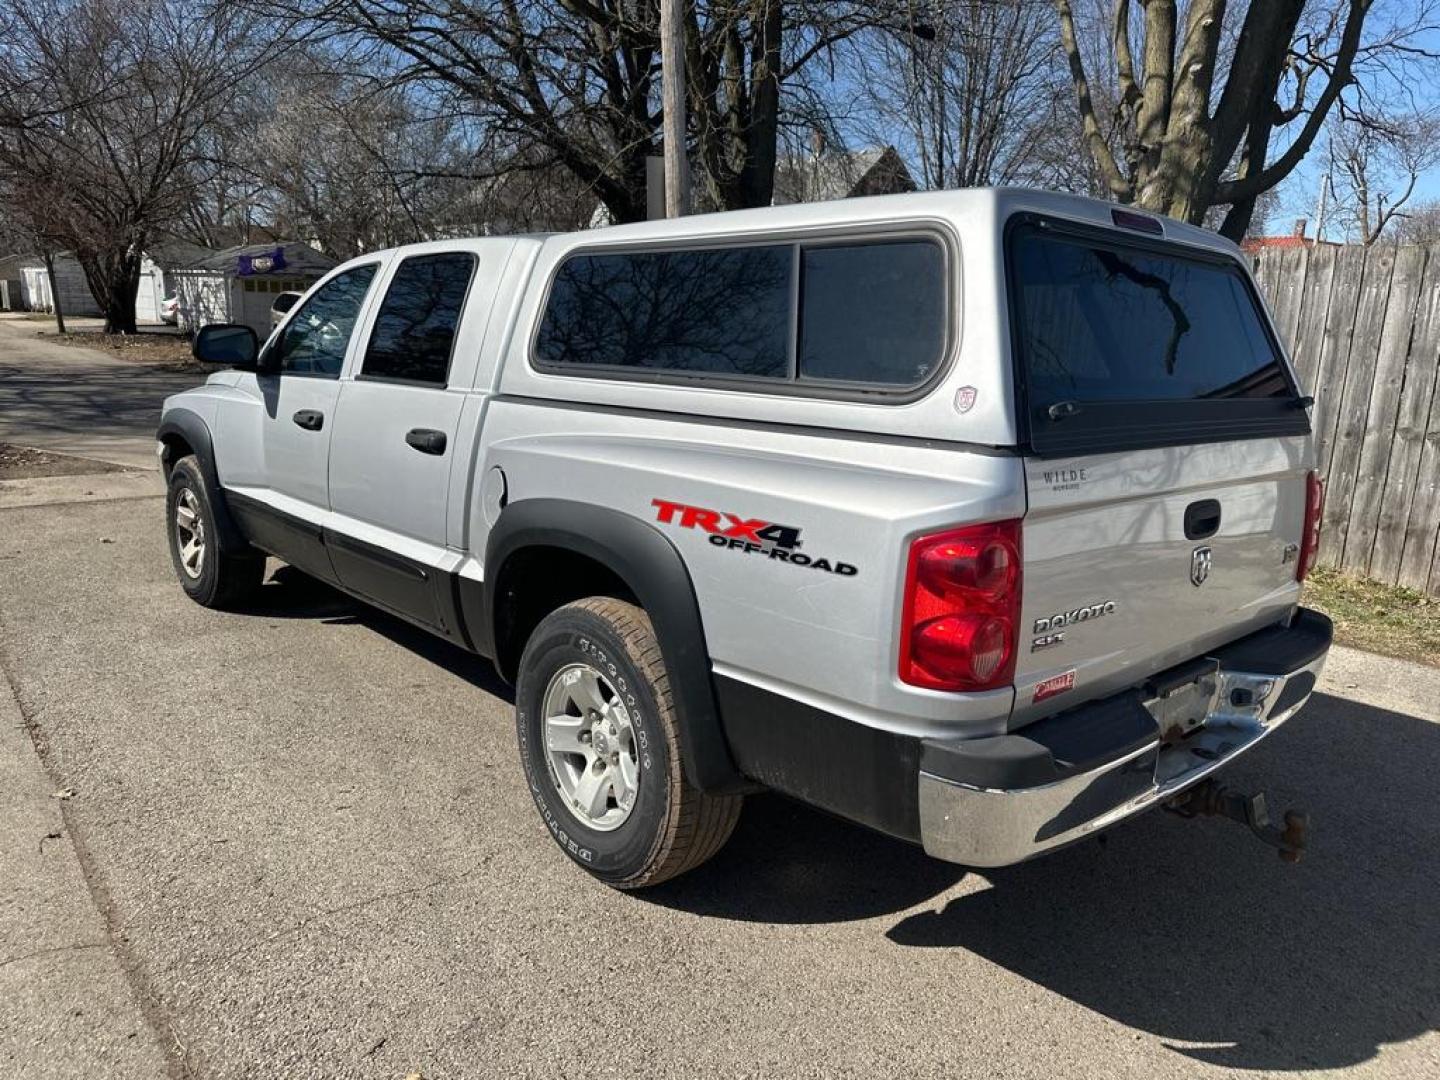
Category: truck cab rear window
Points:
column 865, row 314
column 1128, row 337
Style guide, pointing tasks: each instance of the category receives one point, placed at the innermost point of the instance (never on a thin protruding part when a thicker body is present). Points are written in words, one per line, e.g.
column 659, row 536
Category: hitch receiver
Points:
column 1208, row 799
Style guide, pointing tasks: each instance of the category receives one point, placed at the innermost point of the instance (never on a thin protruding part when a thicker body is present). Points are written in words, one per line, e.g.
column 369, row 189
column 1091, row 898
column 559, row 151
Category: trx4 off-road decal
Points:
column 752, row 536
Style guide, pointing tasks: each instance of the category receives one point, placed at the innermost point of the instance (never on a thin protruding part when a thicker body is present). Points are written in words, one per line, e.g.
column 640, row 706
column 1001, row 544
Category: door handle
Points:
column 426, row 440
column 1202, row 519
column 310, row 419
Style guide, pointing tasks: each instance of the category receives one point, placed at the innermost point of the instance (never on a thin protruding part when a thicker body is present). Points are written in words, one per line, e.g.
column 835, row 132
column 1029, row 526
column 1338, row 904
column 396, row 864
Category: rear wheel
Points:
column 211, row 572
column 600, row 745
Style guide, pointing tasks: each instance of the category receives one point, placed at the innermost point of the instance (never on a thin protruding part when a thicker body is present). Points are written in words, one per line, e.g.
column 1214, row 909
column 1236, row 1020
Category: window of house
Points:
column 414, row 332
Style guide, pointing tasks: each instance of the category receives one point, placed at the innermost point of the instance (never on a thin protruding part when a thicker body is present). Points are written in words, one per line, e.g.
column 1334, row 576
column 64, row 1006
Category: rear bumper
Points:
column 1004, row 799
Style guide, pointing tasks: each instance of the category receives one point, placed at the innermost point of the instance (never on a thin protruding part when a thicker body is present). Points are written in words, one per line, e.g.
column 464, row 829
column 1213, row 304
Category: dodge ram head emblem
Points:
column 1200, row 560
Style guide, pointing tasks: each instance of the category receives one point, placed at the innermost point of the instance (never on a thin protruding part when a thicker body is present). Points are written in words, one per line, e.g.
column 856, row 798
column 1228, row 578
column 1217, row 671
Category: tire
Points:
column 219, row 576
column 669, row 827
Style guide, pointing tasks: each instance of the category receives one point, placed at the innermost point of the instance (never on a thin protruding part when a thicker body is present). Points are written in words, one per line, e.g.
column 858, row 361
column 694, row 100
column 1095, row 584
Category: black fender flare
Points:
column 190, row 427
column 653, row 569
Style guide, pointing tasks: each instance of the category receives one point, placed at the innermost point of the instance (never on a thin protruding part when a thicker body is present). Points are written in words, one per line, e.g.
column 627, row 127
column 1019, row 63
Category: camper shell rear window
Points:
column 1122, row 342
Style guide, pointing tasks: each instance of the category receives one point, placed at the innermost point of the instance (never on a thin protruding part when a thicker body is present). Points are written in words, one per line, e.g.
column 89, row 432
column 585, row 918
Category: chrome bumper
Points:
column 982, row 826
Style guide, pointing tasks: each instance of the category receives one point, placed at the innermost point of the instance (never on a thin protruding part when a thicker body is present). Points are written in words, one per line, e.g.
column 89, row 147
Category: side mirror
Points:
column 226, row 343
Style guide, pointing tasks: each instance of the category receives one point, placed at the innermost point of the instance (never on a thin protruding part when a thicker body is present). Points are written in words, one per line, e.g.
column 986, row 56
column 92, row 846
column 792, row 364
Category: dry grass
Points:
column 1379, row 618
column 23, row 462
column 162, row 349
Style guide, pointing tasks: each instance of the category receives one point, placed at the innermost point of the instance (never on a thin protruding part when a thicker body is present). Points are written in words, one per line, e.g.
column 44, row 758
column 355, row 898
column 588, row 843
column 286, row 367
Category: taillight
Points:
column 1310, row 538
column 962, row 605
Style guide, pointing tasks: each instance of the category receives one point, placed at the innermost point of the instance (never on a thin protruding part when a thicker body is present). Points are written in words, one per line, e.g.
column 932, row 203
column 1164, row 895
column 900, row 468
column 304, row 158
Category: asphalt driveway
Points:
column 306, row 834
column 294, row 842
column 80, row 401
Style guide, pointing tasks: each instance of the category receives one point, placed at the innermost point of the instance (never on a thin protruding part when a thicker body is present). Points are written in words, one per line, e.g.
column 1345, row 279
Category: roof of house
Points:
column 174, row 252
column 298, row 257
column 1256, row 243
column 841, row 175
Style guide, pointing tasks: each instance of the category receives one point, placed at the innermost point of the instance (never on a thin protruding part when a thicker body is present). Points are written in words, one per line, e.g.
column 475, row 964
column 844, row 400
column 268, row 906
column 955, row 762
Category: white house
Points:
column 239, row 285
column 75, row 296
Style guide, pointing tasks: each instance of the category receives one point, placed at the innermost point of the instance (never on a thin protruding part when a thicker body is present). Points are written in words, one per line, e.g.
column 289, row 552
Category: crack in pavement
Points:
column 6, row 961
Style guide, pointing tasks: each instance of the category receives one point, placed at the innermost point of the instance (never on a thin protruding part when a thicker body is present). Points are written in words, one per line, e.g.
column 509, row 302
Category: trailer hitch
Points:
column 1209, row 799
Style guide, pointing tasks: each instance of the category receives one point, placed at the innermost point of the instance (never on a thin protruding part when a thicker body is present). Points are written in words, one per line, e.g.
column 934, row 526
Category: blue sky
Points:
column 1300, row 193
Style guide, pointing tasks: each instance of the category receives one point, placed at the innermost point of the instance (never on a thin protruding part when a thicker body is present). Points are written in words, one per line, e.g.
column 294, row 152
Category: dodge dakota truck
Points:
column 979, row 518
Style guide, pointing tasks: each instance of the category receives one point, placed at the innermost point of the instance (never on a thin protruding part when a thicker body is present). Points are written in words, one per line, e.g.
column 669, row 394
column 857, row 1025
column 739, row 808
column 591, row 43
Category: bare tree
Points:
column 1375, row 163
column 102, row 108
column 975, row 93
column 1420, row 224
column 575, row 83
column 1193, row 121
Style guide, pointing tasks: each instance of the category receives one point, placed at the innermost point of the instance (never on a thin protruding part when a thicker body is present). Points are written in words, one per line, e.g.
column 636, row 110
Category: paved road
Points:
column 79, row 401
column 307, row 832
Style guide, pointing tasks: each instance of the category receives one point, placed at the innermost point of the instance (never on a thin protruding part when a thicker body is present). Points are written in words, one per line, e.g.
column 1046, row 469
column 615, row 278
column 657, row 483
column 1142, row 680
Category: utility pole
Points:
column 672, row 73
column 1320, row 210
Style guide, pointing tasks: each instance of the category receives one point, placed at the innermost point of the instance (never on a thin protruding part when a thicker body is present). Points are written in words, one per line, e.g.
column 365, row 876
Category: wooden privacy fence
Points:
column 1363, row 326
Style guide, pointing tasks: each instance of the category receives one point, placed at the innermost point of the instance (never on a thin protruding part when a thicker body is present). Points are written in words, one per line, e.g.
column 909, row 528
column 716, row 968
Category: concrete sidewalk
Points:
column 74, row 400
column 66, row 1009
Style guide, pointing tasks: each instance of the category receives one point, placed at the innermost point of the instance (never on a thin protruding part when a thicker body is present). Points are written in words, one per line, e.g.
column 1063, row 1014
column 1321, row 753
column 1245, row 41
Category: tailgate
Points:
column 1168, row 455
column 1123, row 575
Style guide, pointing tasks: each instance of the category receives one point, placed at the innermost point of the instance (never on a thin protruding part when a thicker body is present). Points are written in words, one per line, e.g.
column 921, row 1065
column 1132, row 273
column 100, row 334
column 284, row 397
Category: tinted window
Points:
column 873, row 313
column 1106, row 323
column 718, row 312
column 314, row 340
column 284, row 302
column 415, row 329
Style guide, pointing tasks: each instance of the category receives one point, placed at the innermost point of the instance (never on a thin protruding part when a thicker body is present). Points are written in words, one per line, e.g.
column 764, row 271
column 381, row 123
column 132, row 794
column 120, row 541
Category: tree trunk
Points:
column 54, row 291
column 757, row 178
column 114, row 281
column 119, row 301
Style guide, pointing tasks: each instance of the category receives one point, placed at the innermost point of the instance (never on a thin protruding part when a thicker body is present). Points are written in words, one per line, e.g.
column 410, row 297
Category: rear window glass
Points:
column 873, row 313
column 284, row 302
column 415, row 329
column 1101, row 322
column 716, row 312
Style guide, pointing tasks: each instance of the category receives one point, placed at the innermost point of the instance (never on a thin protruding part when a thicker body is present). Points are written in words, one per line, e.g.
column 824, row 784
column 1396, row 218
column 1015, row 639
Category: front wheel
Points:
column 210, row 572
column 599, row 741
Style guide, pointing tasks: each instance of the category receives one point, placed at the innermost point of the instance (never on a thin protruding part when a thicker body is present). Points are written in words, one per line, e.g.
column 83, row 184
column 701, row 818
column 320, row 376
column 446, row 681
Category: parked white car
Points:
column 281, row 307
column 170, row 310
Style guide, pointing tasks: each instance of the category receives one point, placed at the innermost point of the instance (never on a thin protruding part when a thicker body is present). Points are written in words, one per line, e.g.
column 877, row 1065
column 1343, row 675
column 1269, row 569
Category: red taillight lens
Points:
column 1310, row 538
column 962, row 604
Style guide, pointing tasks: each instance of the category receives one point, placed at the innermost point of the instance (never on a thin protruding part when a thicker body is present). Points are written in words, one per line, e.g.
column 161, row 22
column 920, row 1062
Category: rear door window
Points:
column 1118, row 342
column 414, row 332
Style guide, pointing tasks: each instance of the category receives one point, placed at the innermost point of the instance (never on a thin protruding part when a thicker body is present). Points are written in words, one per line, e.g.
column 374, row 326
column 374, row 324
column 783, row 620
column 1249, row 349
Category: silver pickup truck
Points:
column 979, row 518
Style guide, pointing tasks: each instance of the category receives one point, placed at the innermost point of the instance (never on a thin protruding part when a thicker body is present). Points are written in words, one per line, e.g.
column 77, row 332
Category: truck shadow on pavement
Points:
column 1197, row 934
column 1188, row 930
column 291, row 594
